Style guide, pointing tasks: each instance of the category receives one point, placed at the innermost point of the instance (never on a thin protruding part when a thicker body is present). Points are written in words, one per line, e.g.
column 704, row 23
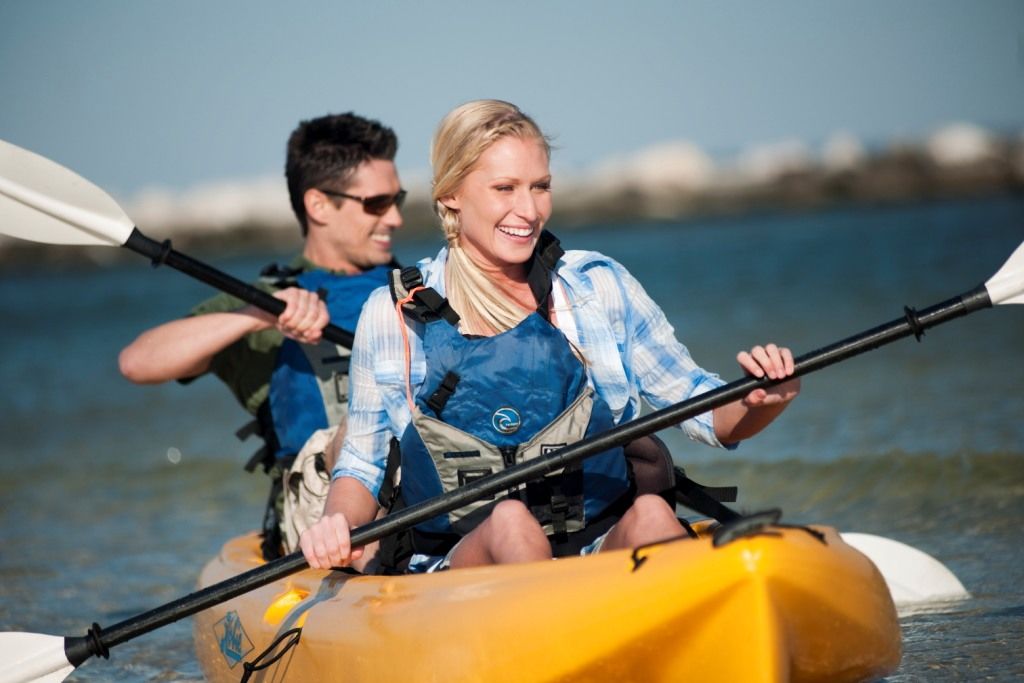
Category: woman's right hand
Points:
column 327, row 543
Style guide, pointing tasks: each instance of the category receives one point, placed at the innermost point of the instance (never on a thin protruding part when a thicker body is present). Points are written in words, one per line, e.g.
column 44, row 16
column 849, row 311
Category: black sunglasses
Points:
column 377, row 205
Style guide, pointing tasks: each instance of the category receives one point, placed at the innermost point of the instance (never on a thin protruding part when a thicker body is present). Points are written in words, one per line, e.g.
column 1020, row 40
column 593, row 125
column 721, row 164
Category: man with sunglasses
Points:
column 345, row 193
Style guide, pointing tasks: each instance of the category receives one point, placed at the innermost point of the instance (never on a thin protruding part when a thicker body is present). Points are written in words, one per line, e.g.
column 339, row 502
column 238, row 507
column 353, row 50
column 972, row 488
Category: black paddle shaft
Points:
column 162, row 252
column 97, row 642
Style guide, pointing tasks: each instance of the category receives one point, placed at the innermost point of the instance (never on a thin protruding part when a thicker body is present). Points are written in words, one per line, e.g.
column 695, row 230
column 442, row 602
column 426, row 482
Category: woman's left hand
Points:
column 772, row 361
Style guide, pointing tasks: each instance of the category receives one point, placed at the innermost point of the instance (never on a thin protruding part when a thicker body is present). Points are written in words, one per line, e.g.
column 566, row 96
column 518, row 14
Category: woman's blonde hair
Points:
column 461, row 138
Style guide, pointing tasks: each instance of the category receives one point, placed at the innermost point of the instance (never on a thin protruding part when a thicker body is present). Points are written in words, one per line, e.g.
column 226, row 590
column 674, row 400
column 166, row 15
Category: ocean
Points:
column 115, row 495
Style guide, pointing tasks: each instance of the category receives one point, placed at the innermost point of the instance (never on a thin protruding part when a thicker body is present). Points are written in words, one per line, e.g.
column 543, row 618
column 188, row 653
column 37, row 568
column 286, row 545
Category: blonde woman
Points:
column 501, row 347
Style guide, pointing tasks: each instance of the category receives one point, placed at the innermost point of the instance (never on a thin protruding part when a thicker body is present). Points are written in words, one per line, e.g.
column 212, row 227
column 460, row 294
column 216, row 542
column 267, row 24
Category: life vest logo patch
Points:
column 506, row 420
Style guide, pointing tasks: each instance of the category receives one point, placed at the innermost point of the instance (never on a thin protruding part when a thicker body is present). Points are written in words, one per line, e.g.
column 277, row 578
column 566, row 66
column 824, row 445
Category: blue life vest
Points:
column 309, row 385
column 491, row 402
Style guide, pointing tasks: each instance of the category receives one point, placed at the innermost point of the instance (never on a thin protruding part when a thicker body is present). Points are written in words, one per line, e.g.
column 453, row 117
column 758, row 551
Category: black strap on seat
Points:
column 700, row 499
column 262, row 426
column 248, row 429
column 271, row 536
column 439, row 399
column 261, row 456
column 733, row 524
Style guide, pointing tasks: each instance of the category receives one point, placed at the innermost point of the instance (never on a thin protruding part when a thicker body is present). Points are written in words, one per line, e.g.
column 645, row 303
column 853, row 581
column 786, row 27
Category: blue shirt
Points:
column 628, row 345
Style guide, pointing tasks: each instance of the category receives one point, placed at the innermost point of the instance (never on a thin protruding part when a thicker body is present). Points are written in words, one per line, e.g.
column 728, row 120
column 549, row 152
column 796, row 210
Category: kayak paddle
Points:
column 42, row 201
column 912, row 576
column 46, row 658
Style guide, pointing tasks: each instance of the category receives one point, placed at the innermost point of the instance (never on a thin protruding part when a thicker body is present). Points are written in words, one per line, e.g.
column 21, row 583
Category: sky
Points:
column 136, row 94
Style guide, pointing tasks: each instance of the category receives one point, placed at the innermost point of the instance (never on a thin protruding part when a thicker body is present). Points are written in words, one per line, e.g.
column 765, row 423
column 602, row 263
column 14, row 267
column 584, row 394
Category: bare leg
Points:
column 510, row 534
column 649, row 519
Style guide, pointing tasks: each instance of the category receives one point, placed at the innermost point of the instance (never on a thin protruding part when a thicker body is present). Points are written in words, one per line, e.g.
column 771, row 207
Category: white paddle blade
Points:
column 913, row 577
column 1007, row 286
column 32, row 658
column 41, row 201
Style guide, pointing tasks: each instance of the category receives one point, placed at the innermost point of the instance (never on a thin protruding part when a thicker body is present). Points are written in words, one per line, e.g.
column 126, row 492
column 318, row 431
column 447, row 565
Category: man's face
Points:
column 347, row 237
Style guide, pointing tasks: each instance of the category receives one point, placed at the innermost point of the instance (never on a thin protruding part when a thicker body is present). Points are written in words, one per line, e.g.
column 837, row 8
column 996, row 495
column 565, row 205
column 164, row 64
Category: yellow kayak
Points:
column 780, row 605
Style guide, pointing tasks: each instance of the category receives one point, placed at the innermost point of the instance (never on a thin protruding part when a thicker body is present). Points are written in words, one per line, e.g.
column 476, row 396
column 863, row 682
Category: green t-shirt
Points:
column 246, row 366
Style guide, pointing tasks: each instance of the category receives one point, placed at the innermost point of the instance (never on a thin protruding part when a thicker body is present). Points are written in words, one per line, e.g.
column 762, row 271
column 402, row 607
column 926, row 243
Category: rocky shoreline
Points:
column 674, row 182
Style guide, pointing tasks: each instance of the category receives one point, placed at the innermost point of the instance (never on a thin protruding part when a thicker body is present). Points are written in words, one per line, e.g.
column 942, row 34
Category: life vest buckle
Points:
column 508, row 454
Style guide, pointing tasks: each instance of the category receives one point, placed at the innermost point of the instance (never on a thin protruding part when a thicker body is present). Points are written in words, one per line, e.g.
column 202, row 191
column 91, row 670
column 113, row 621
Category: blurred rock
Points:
column 671, row 181
column 961, row 144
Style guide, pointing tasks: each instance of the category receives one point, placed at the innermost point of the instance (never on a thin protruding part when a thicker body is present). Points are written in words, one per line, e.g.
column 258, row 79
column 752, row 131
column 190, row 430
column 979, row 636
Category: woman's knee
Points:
column 512, row 534
column 652, row 508
column 512, row 515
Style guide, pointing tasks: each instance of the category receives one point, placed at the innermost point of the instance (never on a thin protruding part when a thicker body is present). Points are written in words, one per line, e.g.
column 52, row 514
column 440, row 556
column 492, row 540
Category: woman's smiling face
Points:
column 504, row 203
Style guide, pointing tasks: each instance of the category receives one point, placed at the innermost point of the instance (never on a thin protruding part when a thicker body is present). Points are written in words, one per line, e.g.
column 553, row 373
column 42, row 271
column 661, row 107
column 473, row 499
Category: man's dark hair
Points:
column 325, row 152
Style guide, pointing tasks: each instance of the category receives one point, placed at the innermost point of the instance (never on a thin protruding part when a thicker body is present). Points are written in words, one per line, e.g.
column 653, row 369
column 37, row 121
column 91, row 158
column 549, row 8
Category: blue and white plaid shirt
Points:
column 629, row 346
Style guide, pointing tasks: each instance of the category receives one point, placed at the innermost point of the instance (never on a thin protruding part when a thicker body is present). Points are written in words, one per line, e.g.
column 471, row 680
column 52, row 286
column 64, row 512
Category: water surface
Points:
column 114, row 495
